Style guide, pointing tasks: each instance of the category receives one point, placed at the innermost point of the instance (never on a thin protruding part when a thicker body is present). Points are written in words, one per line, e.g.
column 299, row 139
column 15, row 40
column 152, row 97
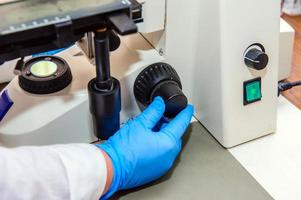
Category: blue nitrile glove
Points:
column 139, row 154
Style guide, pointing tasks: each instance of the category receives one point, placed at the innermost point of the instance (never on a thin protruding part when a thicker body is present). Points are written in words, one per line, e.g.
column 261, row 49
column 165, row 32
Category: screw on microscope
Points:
column 161, row 52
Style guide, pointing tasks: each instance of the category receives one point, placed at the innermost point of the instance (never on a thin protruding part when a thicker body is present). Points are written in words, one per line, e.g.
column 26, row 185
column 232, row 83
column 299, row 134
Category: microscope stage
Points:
column 25, row 15
column 35, row 26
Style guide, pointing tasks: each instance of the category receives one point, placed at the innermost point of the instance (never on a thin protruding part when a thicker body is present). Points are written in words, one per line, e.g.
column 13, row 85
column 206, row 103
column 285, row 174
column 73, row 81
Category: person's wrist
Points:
column 110, row 172
column 113, row 160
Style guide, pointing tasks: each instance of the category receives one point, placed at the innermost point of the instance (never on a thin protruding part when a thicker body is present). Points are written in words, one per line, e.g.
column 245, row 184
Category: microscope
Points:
column 214, row 54
column 50, row 99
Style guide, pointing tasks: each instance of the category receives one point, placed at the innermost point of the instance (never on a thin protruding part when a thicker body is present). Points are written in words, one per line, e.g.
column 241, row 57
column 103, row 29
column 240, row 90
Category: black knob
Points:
column 160, row 79
column 256, row 59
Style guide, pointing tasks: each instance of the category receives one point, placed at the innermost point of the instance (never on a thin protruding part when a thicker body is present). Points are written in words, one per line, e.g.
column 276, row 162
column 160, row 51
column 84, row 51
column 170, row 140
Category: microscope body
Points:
column 206, row 42
column 64, row 117
column 211, row 59
column 210, row 44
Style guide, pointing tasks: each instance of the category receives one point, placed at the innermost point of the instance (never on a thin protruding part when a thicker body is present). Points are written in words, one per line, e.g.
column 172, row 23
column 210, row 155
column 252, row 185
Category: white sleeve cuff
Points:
column 85, row 169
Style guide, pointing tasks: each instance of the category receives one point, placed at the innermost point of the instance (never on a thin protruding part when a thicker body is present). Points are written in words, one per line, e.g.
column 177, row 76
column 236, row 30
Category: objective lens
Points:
column 43, row 69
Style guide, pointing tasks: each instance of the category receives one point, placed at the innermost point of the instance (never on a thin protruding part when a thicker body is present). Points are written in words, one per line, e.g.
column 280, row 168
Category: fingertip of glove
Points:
column 190, row 109
column 159, row 100
column 158, row 103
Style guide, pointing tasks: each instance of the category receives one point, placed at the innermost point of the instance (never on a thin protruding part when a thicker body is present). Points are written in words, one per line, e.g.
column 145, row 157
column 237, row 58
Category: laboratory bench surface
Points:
column 266, row 168
column 204, row 170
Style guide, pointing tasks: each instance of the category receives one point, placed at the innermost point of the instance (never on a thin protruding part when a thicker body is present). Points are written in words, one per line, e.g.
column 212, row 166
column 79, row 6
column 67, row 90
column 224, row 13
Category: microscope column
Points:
column 104, row 91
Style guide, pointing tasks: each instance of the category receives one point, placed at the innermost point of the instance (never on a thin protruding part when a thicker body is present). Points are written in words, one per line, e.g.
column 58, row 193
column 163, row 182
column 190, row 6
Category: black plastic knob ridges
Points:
column 152, row 76
column 160, row 79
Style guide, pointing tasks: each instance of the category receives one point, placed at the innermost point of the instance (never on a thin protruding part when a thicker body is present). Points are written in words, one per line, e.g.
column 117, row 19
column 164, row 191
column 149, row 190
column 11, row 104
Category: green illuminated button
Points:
column 252, row 91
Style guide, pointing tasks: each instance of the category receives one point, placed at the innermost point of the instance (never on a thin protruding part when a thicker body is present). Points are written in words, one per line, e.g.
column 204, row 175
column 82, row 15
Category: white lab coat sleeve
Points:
column 60, row 172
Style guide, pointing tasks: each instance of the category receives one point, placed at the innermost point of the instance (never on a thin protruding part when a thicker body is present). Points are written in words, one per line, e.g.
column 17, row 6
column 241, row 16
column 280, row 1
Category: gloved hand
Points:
column 144, row 149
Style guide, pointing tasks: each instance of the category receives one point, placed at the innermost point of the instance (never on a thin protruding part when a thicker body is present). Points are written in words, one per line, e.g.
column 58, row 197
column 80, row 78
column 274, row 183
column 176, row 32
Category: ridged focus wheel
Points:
column 160, row 79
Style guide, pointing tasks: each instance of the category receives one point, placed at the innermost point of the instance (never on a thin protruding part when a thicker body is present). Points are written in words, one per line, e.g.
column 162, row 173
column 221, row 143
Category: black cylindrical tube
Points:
column 105, row 107
column 102, row 52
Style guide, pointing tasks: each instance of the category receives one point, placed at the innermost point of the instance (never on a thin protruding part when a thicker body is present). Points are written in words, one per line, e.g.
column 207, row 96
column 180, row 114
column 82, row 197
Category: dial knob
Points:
column 256, row 58
column 160, row 79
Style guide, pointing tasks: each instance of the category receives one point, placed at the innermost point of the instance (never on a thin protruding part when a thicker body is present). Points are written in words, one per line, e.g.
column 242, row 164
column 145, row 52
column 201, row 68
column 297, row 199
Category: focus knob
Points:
column 256, row 58
column 160, row 79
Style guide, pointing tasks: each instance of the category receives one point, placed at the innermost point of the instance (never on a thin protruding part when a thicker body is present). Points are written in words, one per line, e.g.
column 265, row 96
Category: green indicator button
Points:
column 252, row 91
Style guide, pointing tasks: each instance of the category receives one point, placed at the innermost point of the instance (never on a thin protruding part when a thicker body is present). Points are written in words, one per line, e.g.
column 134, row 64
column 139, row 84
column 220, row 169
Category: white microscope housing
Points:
column 206, row 42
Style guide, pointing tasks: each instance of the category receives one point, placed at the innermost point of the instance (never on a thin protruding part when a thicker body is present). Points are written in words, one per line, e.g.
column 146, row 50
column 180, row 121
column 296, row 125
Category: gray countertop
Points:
column 204, row 170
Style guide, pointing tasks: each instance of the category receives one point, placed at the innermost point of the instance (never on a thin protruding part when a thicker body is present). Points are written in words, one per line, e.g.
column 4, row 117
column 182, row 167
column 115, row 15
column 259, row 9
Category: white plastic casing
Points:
column 205, row 42
column 7, row 71
column 153, row 14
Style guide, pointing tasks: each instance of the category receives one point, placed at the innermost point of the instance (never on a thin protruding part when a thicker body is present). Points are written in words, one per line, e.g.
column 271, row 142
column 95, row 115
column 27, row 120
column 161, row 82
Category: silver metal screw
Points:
column 161, row 52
